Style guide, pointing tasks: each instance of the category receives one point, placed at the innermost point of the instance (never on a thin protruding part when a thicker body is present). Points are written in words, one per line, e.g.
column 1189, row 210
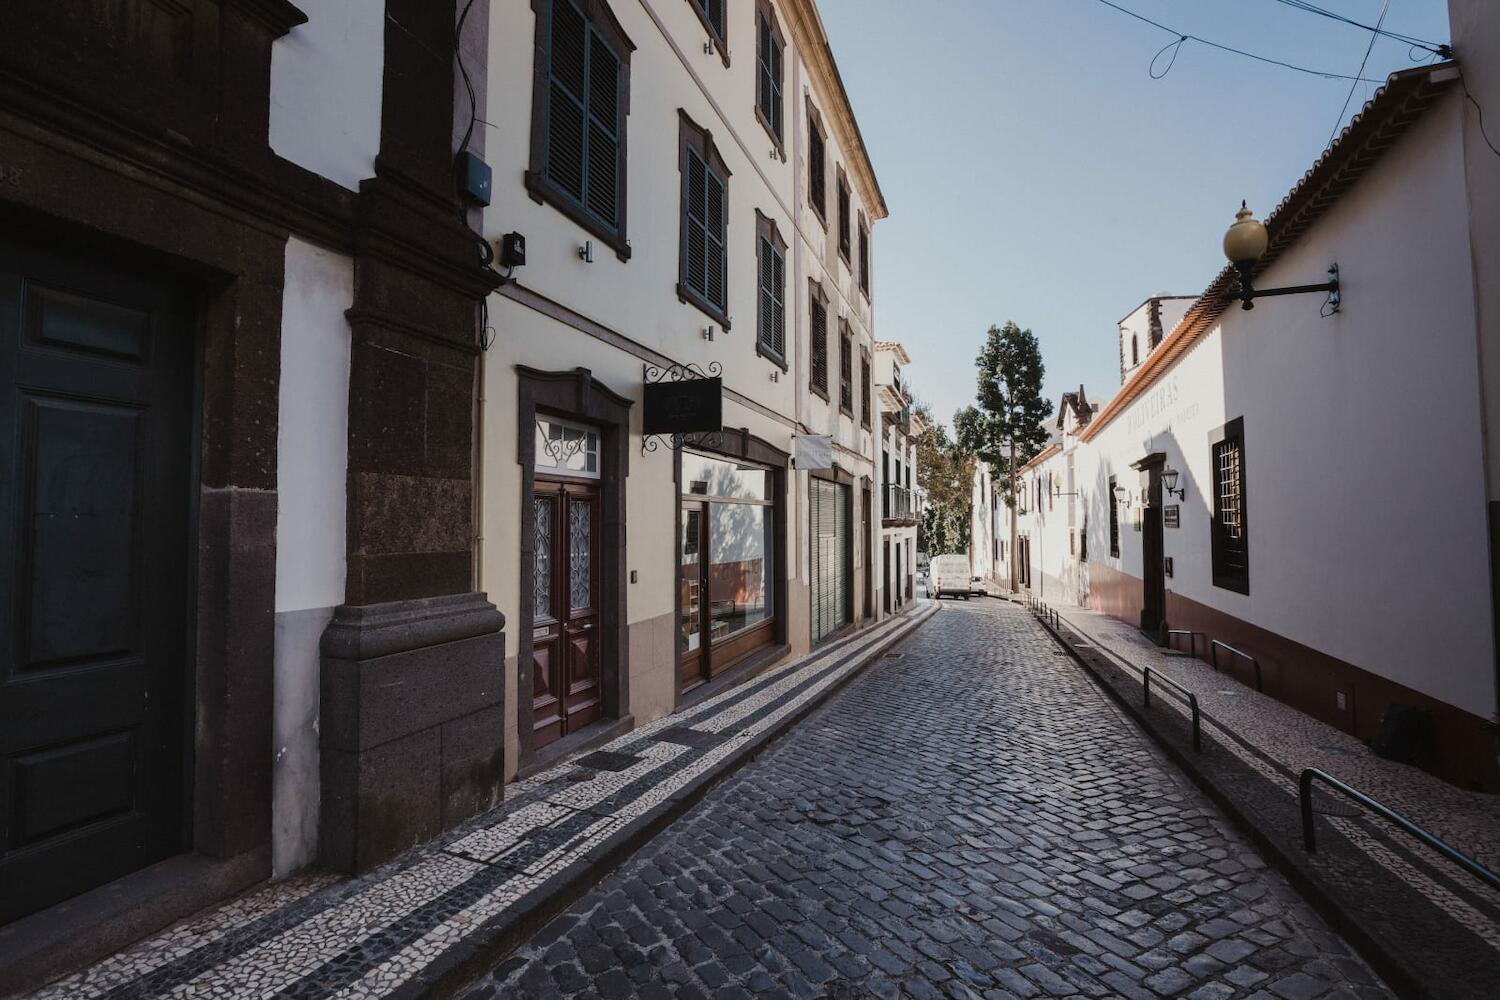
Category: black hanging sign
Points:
column 680, row 400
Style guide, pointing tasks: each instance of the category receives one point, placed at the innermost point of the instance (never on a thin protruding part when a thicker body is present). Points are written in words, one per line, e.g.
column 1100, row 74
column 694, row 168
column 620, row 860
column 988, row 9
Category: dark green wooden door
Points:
column 95, row 566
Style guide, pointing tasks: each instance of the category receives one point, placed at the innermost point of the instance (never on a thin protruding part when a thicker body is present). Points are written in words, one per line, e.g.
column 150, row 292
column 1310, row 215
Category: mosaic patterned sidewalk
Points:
column 421, row 922
column 1270, row 742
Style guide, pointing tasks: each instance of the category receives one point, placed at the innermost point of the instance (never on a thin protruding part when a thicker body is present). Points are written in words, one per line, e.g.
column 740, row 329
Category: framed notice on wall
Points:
column 1170, row 516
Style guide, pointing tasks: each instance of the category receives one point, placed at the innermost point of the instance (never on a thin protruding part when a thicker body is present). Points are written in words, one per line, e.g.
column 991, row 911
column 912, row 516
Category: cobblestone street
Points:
column 969, row 818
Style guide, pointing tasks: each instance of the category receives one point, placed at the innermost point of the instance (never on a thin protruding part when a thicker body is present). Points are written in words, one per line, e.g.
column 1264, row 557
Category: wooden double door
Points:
column 566, row 691
column 96, row 444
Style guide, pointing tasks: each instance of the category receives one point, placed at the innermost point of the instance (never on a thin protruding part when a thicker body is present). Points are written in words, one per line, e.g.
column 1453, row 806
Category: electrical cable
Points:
column 1480, row 112
column 1184, row 37
column 1437, row 48
column 486, row 252
column 1374, row 34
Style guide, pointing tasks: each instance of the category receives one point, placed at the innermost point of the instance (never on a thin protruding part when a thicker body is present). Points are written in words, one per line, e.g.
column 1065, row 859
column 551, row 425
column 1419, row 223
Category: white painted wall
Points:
column 1365, row 488
column 637, row 299
column 326, row 79
column 312, row 457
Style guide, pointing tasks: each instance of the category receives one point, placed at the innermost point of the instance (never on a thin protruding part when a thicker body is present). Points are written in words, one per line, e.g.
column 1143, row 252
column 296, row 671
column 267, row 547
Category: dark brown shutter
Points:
column 565, row 112
column 604, row 144
column 815, row 182
column 714, row 224
column 818, row 323
column 697, row 227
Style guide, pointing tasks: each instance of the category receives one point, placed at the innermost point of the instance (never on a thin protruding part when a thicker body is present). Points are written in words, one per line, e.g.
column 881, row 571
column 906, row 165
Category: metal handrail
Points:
column 1192, row 638
column 1213, row 647
column 1304, row 796
column 1192, row 700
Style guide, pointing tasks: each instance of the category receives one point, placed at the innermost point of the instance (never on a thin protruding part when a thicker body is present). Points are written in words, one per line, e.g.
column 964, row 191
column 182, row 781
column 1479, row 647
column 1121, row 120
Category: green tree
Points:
column 1005, row 430
column 945, row 474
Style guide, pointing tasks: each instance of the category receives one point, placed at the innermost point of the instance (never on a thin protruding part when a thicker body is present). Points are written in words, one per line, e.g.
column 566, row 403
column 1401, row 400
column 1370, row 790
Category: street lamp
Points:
column 1245, row 243
column 1169, row 483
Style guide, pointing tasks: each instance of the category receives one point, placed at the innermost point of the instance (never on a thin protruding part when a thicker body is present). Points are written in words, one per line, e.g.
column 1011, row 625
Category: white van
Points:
column 950, row 575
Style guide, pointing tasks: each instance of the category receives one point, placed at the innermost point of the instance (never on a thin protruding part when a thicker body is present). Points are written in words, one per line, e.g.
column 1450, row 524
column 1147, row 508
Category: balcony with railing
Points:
column 901, row 507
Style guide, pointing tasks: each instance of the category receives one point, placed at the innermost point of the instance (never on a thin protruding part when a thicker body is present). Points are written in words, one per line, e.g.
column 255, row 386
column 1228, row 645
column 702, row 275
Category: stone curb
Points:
column 466, row 961
column 1390, row 955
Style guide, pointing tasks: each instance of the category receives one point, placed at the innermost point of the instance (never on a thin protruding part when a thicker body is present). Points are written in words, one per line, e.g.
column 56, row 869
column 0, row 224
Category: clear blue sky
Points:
column 1034, row 171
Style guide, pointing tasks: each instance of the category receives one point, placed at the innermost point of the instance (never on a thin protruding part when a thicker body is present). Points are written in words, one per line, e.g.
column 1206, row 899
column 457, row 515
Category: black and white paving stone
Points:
column 969, row 818
column 407, row 927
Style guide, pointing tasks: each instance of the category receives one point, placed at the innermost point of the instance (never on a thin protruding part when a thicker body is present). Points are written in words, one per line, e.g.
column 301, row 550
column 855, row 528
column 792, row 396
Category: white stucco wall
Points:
column 1365, row 489
column 326, row 78
column 312, row 452
column 637, row 300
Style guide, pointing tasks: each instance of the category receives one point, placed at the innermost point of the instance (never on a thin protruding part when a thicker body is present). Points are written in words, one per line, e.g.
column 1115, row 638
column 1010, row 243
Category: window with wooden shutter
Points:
column 703, row 264
column 846, row 372
column 1114, row 520
column 864, row 255
column 817, row 192
column 843, row 196
column 1229, row 541
column 580, row 103
column 867, row 387
column 817, row 323
column 771, row 257
column 711, row 13
column 770, row 47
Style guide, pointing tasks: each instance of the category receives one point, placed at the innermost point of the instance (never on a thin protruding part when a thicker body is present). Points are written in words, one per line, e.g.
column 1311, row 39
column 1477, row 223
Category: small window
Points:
column 846, row 372
column 817, row 323
column 769, row 47
column 1072, row 542
column 864, row 255
column 867, row 387
column 770, row 251
column 1135, row 351
column 1114, row 520
column 816, row 168
column 566, row 449
column 1230, row 530
column 581, row 96
column 1051, row 492
column 703, row 258
column 843, row 195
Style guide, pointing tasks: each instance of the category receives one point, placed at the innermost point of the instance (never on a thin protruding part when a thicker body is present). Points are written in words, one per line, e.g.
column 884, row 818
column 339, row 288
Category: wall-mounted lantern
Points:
column 1169, row 483
column 1245, row 243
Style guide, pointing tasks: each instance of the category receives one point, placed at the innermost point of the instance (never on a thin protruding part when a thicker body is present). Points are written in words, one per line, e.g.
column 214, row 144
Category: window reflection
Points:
column 712, row 477
column 740, row 568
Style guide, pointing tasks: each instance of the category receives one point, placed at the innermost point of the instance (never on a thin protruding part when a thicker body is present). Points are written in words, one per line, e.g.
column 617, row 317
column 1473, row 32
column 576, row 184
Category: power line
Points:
column 1437, row 48
column 1185, row 37
column 1374, row 34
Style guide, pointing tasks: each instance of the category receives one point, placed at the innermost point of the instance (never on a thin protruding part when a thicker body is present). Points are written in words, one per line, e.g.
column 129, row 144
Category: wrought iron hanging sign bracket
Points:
column 683, row 404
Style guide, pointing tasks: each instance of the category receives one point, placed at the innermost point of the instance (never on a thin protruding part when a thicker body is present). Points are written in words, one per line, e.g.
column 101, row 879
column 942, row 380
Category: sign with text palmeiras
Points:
column 812, row 451
column 682, row 407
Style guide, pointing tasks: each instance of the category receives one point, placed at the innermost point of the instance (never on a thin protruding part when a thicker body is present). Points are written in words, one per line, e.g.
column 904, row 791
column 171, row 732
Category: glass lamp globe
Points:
column 1246, row 239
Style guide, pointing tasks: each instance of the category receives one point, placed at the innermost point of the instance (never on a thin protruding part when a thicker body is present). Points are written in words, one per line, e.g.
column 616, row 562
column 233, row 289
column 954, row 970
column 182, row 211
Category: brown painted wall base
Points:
column 1311, row 681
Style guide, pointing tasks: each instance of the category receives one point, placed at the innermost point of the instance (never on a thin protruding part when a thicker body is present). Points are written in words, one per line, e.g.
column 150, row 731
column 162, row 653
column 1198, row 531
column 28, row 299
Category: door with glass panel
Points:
column 565, row 512
column 726, row 554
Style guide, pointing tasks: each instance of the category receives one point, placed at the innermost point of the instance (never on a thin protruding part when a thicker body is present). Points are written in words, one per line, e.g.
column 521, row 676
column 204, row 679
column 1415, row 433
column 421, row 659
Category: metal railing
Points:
column 900, row 503
column 1192, row 638
column 1215, row 645
column 1043, row 611
column 1309, row 841
column 1192, row 701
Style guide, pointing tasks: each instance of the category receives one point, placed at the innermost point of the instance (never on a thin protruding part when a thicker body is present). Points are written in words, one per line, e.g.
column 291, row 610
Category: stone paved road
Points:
column 969, row 818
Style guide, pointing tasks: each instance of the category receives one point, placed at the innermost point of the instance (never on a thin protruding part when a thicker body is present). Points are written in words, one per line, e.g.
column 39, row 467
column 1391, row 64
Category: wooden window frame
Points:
column 719, row 35
column 864, row 255
column 694, row 137
column 1235, row 578
column 1114, row 521
column 764, row 10
column 867, row 387
column 767, row 234
column 817, row 137
column 846, row 369
column 844, row 197
column 543, row 189
column 817, row 300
